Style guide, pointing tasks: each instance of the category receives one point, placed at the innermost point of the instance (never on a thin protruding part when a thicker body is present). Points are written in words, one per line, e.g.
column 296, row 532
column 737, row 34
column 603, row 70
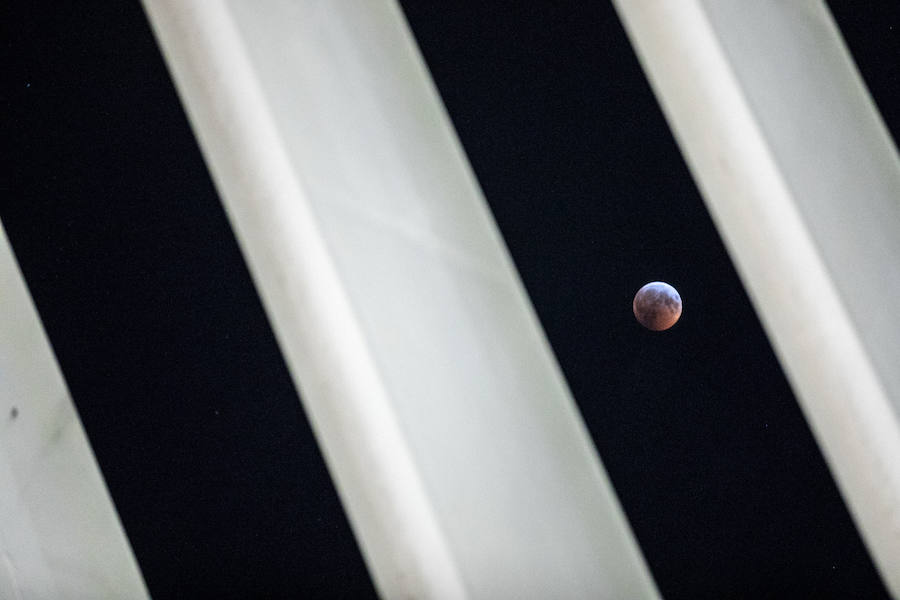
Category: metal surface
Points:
column 803, row 182
column 60, row 536
column 456, row 448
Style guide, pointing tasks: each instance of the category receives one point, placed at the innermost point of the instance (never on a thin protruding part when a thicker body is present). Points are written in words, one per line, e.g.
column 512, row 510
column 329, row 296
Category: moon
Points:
column 657, row 306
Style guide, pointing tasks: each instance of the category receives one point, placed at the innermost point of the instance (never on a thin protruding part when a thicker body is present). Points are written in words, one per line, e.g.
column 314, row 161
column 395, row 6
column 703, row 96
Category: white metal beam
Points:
column 454, row 443
column 60, row 536
column 803, row 182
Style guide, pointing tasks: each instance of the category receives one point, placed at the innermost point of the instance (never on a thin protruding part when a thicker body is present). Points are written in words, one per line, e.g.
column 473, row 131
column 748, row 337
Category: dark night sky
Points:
column 188, row 404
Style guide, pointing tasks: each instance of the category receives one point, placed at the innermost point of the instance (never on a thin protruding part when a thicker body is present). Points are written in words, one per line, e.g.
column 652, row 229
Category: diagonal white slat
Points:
column 454, row 443
column 803, row 182
column 60, row 536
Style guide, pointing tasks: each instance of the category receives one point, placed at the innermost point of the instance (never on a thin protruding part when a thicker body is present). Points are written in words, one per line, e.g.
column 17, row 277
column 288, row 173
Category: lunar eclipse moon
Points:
column 657, row 306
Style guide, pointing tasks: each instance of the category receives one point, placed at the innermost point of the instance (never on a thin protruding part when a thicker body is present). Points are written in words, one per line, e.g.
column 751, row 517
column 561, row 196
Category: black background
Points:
column 187, row 402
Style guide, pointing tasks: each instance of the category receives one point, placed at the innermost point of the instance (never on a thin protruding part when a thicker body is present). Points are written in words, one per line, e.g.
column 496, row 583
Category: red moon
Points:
column 657, row 306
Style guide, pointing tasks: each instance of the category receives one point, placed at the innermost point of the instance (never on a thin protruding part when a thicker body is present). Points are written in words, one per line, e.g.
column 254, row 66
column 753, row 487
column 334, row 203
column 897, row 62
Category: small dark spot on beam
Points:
column 14, row 412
